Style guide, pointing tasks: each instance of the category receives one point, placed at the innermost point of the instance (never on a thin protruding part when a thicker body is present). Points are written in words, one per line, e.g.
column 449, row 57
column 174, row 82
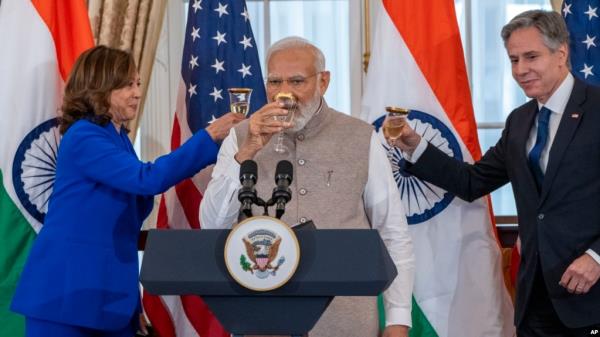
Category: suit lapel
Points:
column 564, row 135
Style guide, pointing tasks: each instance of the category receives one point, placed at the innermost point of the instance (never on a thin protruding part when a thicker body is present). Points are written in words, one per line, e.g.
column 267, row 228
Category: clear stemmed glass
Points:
column 239, row 100
column 290, row 103
column 394, row 122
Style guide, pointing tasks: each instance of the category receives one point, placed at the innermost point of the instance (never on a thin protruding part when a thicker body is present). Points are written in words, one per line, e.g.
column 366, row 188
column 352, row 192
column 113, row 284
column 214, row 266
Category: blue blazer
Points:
column 83, row 267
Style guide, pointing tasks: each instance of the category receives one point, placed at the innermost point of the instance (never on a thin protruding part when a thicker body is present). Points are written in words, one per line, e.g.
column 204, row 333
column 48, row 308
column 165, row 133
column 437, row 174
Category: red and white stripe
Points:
column 181, row 316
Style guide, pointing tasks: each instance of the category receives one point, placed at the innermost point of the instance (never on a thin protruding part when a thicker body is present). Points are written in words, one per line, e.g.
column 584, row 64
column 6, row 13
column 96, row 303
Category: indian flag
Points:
column 417, row 63
column 40, row 41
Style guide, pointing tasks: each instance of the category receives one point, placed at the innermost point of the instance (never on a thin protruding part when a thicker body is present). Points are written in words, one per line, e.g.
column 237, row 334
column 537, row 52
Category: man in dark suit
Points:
column 550, row 153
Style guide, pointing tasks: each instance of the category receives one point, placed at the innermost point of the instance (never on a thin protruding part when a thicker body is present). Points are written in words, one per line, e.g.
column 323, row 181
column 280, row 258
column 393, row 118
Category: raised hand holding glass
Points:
column 394, row 122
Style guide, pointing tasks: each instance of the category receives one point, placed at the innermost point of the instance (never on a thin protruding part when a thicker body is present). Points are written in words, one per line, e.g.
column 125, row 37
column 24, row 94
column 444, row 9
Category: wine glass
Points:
column 290, row 103
column 394, row 122
column 239, row 100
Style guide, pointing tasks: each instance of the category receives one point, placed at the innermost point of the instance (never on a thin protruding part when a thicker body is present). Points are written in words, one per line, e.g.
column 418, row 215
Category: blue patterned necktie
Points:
column 540, row 142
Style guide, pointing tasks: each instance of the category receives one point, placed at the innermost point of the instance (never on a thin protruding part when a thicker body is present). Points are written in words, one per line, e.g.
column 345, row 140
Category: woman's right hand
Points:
column 219, row 129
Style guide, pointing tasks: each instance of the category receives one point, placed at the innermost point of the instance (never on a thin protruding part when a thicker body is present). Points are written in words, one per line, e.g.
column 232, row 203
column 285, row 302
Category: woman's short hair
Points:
column 96, row 73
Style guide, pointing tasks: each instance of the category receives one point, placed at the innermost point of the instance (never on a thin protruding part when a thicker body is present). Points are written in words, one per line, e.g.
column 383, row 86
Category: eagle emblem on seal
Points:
column 262, row 247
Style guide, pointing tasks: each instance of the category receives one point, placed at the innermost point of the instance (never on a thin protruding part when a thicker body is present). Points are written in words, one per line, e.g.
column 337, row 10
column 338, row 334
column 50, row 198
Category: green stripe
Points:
column 16, row 236
column 420, row 325
column 381, row 311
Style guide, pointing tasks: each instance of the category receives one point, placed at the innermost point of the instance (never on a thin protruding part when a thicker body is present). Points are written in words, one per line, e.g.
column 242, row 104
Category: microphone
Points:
column 282, row 193
column 247, row 194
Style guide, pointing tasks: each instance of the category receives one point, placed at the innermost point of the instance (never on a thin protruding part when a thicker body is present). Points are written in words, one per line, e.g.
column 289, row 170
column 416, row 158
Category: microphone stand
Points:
column 265, row 205
column 281, row 194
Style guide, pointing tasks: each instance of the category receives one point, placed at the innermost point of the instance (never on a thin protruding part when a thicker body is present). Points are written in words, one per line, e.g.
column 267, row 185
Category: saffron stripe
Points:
column 430, row 30
column 69, row 25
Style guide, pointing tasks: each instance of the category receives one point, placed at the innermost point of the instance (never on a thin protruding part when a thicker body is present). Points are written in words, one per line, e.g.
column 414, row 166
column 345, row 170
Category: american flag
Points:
column 583, row 22
column 219, row 53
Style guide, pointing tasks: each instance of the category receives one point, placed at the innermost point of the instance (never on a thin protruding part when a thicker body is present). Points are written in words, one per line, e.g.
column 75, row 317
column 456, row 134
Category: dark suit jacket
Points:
column 83, row 267
column 558, row 223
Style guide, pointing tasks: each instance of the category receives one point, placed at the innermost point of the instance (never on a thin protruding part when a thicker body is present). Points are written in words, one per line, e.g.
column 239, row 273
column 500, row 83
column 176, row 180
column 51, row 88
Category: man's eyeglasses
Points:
column 296, row 82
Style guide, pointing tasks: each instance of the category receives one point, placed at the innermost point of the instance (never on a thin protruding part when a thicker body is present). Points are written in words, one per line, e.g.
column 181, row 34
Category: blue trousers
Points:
column 40, row 328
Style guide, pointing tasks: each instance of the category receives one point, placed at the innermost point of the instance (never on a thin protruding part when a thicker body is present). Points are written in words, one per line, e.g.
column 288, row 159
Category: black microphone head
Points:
column 248, row 169
column 284, row 170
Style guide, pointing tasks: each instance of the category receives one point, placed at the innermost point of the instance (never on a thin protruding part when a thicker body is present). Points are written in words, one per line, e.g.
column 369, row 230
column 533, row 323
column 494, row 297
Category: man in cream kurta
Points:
column 342, row 179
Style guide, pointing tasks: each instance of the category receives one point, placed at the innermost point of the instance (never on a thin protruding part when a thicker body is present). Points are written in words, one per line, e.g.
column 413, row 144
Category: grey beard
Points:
column 305, row 112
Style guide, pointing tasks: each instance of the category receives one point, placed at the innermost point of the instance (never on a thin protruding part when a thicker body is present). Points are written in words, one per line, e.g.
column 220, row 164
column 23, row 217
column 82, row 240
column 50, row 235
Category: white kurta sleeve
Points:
column 219, row 207
column 386, row 214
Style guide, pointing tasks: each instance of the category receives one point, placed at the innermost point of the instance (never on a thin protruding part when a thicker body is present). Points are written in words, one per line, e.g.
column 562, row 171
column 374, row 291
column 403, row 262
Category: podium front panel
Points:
column 332, row 263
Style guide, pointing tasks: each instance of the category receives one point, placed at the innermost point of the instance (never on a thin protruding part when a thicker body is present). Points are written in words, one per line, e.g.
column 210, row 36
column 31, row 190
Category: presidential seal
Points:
column 262, row 253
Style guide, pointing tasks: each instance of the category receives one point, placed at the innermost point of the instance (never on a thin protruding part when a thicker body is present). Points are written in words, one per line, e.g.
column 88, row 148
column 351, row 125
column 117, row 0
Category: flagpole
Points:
column 267, row 23
column 367, row 53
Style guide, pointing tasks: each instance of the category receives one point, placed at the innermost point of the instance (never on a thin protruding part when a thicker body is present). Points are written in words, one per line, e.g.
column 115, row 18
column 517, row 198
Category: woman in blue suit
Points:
column 81, row 278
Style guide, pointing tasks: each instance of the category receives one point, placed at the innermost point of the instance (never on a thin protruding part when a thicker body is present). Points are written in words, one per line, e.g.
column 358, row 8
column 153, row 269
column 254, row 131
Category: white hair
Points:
column 293, row 42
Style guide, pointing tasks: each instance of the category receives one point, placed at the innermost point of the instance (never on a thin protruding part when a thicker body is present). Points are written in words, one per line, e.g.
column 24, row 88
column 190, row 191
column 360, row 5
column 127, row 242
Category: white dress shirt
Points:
column 557, row 104
column 220, row 208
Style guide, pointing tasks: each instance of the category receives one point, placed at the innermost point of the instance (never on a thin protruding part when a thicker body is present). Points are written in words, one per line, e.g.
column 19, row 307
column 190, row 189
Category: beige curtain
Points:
column 134, row 26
